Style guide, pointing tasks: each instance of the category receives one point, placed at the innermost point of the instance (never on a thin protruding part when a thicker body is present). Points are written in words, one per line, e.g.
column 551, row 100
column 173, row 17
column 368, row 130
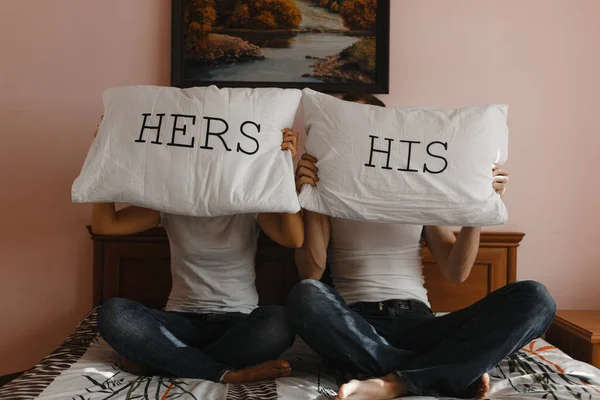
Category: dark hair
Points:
column 363, row 97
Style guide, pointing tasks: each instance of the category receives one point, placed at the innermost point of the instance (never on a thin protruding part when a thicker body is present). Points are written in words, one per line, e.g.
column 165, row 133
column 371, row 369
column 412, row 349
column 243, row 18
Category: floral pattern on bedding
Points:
column 84, row 367
column 541, row 371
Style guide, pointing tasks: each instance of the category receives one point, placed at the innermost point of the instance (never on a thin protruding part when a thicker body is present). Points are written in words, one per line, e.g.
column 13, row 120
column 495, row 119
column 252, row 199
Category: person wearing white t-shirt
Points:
column 212, row 327
column 377, row 321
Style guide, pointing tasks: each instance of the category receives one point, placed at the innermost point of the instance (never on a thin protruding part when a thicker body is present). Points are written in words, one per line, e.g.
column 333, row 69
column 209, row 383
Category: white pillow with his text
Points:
column 406, row 165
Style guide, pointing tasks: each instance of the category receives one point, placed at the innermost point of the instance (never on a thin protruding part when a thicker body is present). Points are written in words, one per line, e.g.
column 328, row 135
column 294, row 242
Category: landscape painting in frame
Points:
column 332, row 46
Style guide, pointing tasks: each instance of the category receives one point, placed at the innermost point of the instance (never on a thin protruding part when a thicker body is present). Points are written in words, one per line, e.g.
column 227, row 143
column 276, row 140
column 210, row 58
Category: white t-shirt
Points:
column 212, row 263
column 373, row 261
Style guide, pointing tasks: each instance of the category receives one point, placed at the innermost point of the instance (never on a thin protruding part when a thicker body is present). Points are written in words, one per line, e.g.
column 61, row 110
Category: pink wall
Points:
column 56, row 59
column 542, row 58
column 539, row 56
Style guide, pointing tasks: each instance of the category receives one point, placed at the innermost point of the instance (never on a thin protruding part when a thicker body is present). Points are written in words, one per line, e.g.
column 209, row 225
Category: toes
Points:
column 281, row 371
column 347, row 388
column 485, row 379
column 483, row 387
column 342, row 394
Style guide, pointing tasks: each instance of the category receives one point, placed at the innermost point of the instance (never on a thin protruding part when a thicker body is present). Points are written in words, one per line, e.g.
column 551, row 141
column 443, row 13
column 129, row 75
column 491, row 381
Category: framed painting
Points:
column 331, row 46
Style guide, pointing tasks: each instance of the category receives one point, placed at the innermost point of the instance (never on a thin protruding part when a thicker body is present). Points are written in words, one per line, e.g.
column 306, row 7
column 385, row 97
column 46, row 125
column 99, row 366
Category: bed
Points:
column 84, row 367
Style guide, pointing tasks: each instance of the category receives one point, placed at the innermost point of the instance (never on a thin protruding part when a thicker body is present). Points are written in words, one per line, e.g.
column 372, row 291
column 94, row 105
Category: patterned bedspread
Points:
column 84, row 367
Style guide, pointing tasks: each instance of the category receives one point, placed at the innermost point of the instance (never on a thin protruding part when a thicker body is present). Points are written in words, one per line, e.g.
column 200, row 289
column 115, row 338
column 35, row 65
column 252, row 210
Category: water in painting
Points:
column 280, row 40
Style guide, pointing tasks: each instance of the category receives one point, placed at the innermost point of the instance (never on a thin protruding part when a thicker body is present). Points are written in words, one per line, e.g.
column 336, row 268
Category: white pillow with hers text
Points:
column 201, row 151
column 406, row 165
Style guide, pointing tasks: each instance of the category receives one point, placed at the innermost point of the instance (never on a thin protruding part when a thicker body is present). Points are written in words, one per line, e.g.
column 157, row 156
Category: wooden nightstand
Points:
column 577, row 333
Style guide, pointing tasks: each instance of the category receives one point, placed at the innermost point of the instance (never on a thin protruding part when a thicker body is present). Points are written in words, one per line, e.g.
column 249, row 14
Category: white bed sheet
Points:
column 538, row 371
column 87, row 368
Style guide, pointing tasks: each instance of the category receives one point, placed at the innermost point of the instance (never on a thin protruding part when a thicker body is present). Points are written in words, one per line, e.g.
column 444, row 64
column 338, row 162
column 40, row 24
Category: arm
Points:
column 284, row 229
column 454, row 256
column 106, row 220
column 311, row 259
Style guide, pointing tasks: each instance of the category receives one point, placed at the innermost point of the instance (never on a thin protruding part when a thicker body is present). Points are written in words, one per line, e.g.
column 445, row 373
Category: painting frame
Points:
column 382, row 70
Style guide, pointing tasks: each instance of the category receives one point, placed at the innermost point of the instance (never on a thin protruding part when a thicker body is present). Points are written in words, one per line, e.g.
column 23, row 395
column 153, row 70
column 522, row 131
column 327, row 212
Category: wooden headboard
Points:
column 137, row 267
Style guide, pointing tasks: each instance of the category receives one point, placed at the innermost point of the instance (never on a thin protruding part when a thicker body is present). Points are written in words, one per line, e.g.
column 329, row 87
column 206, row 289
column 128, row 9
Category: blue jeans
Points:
column 189, row 345
column 442, row 356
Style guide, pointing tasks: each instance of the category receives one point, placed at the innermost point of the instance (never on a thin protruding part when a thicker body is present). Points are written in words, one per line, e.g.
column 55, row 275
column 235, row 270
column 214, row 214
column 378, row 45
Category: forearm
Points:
column 106, row 220
column 284, row 229
column 103, row 217
column 463, row 253
column 293, row 226
column 311, row 259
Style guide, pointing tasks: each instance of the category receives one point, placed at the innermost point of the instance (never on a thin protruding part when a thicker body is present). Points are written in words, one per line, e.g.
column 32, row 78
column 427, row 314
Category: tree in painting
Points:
column 357, row 14
column 280, row 40
column 360, row 14
column 199, row 17
column 203, row 47
column 356, row 63
column 266, row 14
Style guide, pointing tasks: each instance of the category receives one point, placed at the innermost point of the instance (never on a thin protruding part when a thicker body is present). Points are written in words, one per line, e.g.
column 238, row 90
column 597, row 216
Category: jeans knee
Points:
column 539, row 297
column 114, row 316
column 306, row 291
column 277, row 330
column 304, row 299
column 110, row 312
column 539, row 303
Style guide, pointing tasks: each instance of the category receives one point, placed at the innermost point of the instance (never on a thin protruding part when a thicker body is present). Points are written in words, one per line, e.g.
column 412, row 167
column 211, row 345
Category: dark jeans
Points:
column 434, row 355
column 189, row 345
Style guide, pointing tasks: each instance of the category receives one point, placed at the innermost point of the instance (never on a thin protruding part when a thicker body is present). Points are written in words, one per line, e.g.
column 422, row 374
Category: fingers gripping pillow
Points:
column 405, row 165
column 201, row 151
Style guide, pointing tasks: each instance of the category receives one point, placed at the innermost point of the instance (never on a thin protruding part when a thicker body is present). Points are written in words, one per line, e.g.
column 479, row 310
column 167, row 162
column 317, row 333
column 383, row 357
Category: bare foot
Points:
column 484, row 386
column 267, row 370
column 385, row 388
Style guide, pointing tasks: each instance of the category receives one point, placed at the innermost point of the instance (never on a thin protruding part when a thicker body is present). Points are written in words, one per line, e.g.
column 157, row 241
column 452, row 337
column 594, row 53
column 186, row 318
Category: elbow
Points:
column 291, row 232
column 456, row 275
column 297, row 242
column 459, row 277
column 292, row 242
column 101, row 229
column 296, row 238
column 313, row 275
column 103, row 220
column 97, row 228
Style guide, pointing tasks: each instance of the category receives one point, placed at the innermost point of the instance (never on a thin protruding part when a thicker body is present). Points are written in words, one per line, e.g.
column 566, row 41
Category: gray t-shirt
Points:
column 373, row 261
column 212, row 263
